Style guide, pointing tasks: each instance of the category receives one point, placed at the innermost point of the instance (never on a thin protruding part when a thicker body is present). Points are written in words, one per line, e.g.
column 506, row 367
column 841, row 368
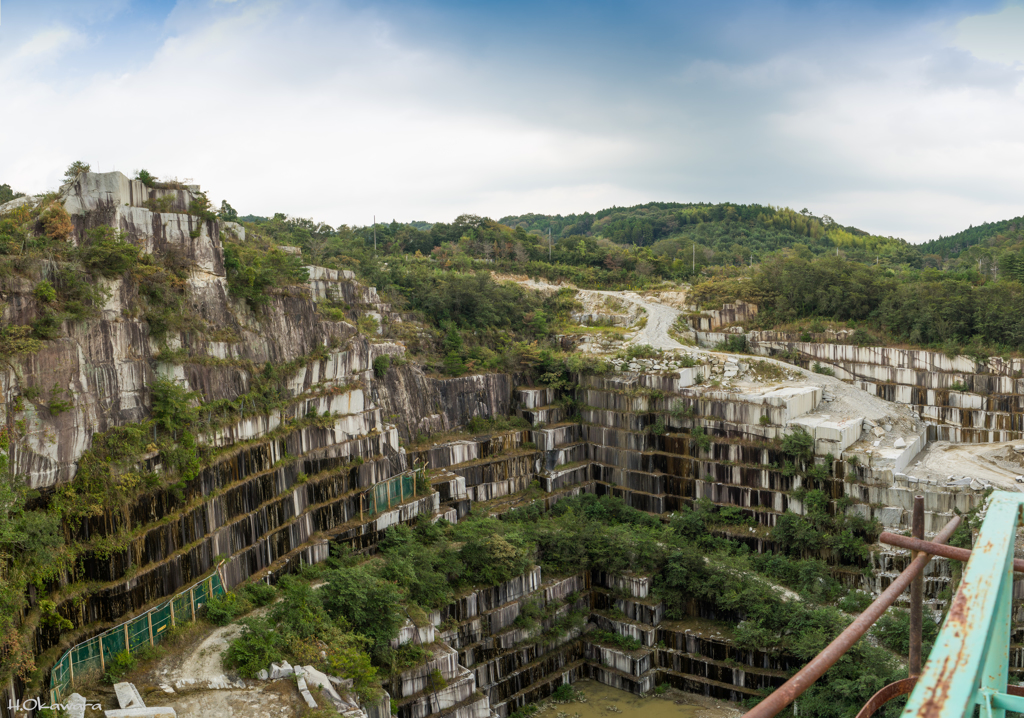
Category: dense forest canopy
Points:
column 956, row 244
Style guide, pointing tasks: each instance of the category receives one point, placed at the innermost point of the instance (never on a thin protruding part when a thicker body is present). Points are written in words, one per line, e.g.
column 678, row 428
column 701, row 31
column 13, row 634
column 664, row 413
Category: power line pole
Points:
column 549, row 243
column 374, row 235
column 693, row 264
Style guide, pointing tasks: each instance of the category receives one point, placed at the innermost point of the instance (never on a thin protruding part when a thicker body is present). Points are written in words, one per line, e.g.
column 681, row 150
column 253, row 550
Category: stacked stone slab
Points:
column 624, row 605
column 961, row 399
column 694, row 661
column 488, row 660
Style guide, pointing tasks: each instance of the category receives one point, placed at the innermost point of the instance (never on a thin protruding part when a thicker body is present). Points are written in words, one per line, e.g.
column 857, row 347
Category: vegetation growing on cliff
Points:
column 423, row 568
column 255, row 268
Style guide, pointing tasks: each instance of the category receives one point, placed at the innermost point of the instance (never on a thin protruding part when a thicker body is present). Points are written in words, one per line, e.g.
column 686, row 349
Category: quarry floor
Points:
column 203, row 689
column 602, row 701
column 942, row 462
column 996, row 463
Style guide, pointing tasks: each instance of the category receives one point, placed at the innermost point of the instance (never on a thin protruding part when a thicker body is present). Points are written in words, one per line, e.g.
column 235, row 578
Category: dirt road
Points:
column 660, row 317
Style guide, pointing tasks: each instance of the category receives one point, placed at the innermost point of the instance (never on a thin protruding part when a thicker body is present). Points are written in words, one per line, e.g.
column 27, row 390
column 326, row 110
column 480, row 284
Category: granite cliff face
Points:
column 108, row 363
column 280, row 477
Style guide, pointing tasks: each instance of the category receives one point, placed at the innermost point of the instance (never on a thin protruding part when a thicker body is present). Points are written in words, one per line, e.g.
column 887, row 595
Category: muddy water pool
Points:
column 605, row 702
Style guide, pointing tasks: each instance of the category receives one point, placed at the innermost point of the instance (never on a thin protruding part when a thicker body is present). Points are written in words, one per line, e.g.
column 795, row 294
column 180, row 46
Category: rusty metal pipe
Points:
column 817, row 666
column 886, row 694
column 916, row 594
column 953, row 552
column 902, row 688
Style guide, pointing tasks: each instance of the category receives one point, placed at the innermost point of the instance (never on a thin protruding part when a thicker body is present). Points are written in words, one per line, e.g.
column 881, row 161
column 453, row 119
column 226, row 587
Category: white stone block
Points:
column 75, row 706
column 128, row 696
column 280, row 670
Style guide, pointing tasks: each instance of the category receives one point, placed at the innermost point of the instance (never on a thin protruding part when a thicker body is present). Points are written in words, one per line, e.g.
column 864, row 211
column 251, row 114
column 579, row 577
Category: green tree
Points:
column 146, row 178
column 175, row 408
column 74, row 169
column 227, row 212
column 7, row 194
column 252, row 271
column 799, row 444
column 368, row 603
column 107, row 253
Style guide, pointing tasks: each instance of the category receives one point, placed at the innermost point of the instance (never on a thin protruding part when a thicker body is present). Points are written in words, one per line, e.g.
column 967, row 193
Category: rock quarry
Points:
column 290, row 483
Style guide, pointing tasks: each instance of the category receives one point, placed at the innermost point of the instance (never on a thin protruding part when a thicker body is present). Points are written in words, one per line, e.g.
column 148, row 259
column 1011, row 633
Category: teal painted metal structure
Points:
column 969, row 664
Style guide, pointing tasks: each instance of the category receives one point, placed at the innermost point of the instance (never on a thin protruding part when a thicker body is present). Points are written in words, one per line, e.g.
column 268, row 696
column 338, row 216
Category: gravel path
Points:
column 660, row 319
column 200, row 665
column 848, row 400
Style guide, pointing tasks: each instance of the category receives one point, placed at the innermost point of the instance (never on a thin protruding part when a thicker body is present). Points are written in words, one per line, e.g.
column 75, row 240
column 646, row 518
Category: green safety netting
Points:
column 182, row 605
column 138, row 632
column 161, row 619
column 201, row 594
column 400, row 487
column 112, row 643
column 85, row 657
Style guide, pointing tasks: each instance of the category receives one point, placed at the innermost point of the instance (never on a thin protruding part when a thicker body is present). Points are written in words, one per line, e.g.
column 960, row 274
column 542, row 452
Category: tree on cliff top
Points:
column 7, row 194
column 74, row 169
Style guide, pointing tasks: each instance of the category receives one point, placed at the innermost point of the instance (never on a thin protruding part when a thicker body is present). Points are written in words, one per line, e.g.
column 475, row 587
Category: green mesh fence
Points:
column 389, row 493
column 94, row 654
column 147, row 629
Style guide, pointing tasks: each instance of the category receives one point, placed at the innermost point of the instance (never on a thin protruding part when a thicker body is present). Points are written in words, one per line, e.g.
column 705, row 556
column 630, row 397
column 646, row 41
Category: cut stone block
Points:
column 889, row 516
column 306, row 695
column 75, row 706
column 128, row 696
column 280, row 670
column 316, row 679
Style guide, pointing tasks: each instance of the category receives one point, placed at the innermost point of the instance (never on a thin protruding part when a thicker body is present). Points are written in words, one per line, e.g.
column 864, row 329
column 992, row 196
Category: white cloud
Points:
column 335, row 113
column 997, row 37
column 910, row 157
column 275, row 110
column 42, row 49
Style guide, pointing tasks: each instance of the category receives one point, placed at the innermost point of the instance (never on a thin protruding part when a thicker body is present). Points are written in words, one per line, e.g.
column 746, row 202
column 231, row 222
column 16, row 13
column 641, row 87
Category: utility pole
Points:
column 549, row 243
column 374, row 235
column 693, row 263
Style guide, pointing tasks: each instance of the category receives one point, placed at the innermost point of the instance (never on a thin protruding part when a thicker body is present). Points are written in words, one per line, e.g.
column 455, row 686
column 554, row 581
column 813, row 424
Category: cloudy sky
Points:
column 902, row 118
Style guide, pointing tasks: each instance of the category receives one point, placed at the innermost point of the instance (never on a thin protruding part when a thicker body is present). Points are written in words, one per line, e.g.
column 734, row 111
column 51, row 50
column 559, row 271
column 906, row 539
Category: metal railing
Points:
column 969, row 663
column 146, row 629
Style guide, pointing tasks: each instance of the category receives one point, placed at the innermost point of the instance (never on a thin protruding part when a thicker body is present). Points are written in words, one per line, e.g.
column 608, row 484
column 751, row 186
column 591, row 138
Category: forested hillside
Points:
column 799, row 268
column 956, row 244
